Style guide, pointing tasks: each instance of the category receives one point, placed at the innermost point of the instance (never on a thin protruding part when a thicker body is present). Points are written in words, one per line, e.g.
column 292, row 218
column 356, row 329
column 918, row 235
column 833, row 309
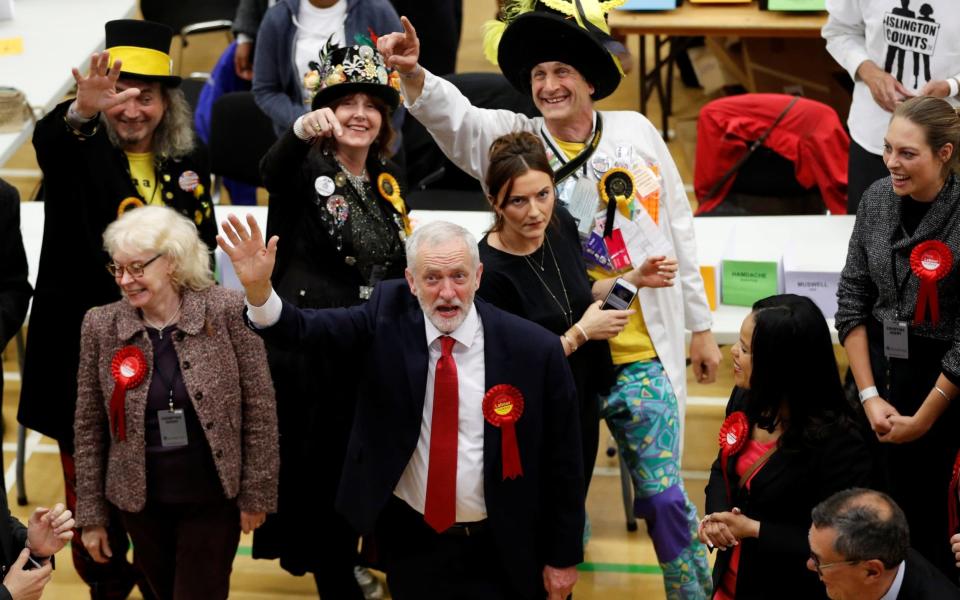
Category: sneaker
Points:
column 369, row 584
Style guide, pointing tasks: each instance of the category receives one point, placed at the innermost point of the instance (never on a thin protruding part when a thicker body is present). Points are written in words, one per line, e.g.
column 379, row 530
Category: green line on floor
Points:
column 592, row 567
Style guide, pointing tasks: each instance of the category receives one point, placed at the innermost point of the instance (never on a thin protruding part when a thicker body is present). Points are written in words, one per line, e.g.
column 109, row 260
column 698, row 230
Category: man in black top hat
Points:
column 126, row 140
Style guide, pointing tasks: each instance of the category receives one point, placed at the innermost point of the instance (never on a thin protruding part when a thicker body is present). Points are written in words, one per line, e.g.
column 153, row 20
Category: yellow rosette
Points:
column 389, row 188
column 129, row 203
column 617, row 183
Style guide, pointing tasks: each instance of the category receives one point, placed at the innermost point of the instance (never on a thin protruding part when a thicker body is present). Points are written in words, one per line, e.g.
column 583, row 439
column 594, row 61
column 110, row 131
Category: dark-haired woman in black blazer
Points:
column 790, row 441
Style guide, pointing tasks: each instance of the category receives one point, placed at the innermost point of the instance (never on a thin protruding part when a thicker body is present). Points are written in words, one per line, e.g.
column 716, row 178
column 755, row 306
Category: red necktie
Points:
column 440, row 511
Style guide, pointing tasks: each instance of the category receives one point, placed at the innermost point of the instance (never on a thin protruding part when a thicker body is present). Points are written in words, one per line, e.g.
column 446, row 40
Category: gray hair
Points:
column 869, row 525
column 173, row 137
column 164, row 231
column 438, row 232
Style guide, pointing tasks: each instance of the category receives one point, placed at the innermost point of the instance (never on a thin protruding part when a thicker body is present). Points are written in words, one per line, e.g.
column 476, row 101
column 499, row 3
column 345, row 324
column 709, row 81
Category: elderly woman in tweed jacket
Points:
column 175, row 421
column 899, row 312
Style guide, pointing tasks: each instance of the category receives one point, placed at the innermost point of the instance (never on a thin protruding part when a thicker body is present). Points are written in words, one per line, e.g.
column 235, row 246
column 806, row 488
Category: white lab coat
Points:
column 465, row 133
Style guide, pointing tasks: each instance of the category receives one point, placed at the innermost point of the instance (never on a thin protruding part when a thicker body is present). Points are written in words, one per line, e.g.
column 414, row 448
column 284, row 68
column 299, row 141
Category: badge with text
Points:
column 324, row 185
column 617, row 250
column 596, row 251
column 896, row 339
column 733, row 435
column 502, row 407
column 173, row 428
column 188, row 181
column 128, row 369
column 930, row 261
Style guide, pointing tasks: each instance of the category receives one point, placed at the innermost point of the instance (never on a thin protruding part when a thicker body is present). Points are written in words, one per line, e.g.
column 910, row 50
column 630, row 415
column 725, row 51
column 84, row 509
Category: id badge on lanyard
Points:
column 173, row 428
column 895, row 339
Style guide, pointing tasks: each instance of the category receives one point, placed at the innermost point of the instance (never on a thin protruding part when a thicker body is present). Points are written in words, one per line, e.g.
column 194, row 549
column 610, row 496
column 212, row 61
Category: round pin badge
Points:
column 600, row 163
column 188, row 181
column 324, row 185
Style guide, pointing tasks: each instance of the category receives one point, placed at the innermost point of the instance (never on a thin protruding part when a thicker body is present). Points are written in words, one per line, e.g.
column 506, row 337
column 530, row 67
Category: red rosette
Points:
column 502, row 407
column 732, row 437
column 128, row 368
column 952, row 497
column 930, row 261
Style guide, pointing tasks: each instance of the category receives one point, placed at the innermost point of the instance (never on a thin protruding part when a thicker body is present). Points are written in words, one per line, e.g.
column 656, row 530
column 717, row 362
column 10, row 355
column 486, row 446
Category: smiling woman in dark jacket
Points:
column 901, row 274
column 790, row 441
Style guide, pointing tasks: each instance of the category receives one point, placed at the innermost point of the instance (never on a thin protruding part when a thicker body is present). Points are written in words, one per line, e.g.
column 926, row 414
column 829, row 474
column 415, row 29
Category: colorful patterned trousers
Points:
column 641, row 412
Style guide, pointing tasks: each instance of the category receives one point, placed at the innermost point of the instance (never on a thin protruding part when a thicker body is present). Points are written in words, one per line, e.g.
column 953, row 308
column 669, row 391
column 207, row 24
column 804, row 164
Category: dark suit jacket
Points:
column 923, row 581
column 536, row 519
column 15, row 291
column 781, row 496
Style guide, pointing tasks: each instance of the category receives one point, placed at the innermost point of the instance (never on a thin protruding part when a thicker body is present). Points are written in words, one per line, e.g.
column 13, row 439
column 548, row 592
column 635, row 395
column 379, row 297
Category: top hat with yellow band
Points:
column 143, row 47
column 574, row 32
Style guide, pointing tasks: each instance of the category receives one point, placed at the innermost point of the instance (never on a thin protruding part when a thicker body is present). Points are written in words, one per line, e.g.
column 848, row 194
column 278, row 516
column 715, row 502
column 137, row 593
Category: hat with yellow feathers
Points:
column 575, row 32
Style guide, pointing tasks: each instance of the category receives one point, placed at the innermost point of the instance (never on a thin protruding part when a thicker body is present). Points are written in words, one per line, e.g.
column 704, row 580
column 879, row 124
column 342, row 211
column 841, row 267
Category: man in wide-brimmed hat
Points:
column 123, row 142
column 561, row 53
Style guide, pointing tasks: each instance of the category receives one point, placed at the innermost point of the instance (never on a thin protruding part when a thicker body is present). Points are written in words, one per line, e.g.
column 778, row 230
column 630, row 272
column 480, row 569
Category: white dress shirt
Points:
column 468, row 355
column 894, row 590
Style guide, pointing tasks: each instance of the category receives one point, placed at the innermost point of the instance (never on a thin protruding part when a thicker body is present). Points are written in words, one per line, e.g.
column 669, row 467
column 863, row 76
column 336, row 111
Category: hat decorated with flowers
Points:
column 575, row 32
column 350, row 70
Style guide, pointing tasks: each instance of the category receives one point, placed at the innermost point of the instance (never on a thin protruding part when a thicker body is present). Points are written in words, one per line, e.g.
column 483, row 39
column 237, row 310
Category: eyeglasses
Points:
column 135, row 269
column 819, row 567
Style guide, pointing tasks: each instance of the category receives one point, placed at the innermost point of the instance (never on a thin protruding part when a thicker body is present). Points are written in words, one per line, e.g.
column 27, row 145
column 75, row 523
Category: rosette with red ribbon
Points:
column 129, row 367
column 733, row 435
column 953, row 497
column 502, row 407
column 930, row 261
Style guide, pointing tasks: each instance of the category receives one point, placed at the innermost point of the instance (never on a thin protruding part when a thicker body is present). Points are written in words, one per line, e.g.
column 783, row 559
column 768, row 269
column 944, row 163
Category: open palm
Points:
column 97, row 90
column 252, row 259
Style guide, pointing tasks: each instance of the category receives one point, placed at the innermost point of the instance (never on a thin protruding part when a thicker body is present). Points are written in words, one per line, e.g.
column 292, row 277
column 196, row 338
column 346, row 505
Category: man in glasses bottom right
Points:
column 860, row 548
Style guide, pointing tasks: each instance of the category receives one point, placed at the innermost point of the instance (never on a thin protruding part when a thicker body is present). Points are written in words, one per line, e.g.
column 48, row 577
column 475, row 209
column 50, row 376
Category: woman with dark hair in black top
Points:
column 790, row 440
column 533, row 267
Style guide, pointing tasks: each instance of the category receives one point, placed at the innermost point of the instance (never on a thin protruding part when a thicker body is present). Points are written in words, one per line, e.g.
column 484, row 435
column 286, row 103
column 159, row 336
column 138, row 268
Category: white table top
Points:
column 813, row 231
column 57, row 36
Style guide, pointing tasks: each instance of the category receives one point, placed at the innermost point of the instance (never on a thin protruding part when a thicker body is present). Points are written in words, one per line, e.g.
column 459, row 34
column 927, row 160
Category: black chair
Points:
column 190, row 17
column 191, row 86
column 240, row 134
column 435, row 182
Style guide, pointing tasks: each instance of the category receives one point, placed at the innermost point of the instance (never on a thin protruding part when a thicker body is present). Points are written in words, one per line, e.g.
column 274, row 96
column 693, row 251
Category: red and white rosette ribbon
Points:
column 953, row 497
column 733, row 435
column 930, row 261
column 502, row 407
column 128, row 367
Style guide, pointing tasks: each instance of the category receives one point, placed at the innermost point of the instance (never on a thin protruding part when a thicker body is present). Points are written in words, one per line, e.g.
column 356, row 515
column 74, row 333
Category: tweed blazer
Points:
column 877, row 280
column 224, row 368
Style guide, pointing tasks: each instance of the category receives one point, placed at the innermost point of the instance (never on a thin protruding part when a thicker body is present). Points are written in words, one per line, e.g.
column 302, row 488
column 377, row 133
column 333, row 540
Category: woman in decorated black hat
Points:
column 336, row 201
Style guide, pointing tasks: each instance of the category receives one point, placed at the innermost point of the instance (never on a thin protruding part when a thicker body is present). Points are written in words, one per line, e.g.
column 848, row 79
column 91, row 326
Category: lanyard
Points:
column 569, row 168
column 163, row 379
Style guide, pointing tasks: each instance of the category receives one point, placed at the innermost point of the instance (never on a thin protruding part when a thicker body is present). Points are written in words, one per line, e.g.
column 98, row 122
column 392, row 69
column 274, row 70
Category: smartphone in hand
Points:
column 620, row 296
